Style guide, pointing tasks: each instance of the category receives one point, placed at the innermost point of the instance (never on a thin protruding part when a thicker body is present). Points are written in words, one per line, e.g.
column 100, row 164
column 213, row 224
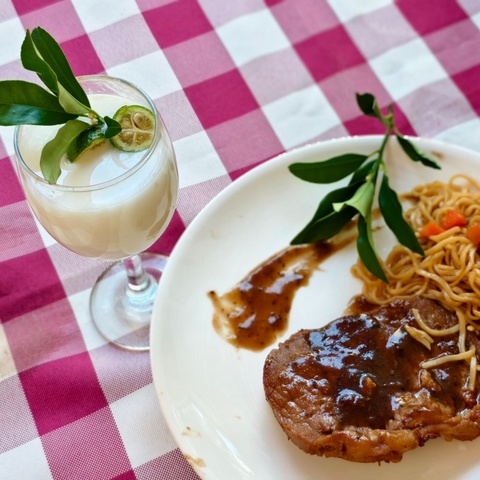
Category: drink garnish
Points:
column 340, row 206
column 62, row 103
column 138, row 126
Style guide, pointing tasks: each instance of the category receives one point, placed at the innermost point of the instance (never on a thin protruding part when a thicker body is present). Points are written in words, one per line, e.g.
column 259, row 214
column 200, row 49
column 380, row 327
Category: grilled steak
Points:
column 354, row 389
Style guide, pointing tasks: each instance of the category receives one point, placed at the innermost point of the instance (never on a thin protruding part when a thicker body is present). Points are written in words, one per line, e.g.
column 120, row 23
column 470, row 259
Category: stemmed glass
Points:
column 114, row 219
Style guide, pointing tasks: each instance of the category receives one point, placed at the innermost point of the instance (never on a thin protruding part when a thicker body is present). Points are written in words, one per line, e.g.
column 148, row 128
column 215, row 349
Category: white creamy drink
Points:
column 104, row 204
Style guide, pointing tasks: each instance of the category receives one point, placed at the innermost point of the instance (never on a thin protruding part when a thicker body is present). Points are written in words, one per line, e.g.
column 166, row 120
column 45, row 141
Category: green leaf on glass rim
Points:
column 362, row 199
column 53, row 55
column 325, row 227
column 366, row 248
column 328, row 171
column 392, row 212
column 54, row 150
column 26, row 103
column 62, row 84
column 113, row 127
column 415, row 153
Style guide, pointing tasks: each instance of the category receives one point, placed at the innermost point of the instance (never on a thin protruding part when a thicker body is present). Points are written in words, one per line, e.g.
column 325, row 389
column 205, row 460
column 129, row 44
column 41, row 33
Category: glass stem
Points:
column 138, row 279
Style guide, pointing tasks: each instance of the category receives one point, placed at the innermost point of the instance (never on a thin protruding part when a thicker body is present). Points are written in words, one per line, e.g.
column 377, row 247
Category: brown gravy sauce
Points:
column 254, row 313
column 345, row 349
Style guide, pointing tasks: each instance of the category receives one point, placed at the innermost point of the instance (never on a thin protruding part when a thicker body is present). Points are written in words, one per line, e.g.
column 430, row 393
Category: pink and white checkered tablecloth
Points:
column 238, row 82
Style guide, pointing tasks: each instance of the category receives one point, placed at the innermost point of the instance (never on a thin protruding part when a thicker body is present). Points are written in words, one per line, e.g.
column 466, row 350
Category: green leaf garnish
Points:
column 25, row 103
column 339, row 206
column 113, row 127
column 54, row 150
column 415, row 153
column 328, row 171
column 366, row 248
column 392, row 212
column 64, row 100
column 42, row 53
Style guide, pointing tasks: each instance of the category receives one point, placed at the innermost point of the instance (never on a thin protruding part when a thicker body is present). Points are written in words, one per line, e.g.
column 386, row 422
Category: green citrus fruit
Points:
column 138, row 128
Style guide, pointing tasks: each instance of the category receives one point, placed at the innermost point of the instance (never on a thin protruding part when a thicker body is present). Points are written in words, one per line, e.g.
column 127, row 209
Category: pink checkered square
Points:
column 53, row 326
column 341, row 88
column 28, row 282
column 169, row 26
column 90, row 447
column 132, row 372
column 199, row 59
column 46, row 15
column 86, row 64
column 467, row 82
column 62, row 391
column 220, row 13
column 373, row 33
column 16, row 222
column 192, row 199
column 14, row 192
column 170, row 236
column 301, row 19
column 17, row 426
column 363, row 125
column 132, row 33
column 321, row 58
column 221, row 98
column 179, row 116
column 427, row 16
column 23, row 7
column 245, row 140
column 417, row 107
column 456, row 46
column 173, row 466
column 77, row 273
column 268, row 77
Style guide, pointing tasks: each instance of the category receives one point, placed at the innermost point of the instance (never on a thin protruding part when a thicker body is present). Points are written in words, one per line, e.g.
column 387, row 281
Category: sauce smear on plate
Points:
column 255, row 312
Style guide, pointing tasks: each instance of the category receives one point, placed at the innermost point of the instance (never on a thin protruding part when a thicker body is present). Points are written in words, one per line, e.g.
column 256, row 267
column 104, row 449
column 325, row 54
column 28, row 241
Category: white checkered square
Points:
column 346, row 9
column 6, row 134
column 7, row 365
column 95, row 15
column 465, row 134
column 301, row 116
column 7, row 11
column 476, row 19
column 197, row 160
column 142, row 427
column 28, row 462
column 13, row 34
column 407, row 67
column 252, row 36
column 80, row 306
column 151, row 73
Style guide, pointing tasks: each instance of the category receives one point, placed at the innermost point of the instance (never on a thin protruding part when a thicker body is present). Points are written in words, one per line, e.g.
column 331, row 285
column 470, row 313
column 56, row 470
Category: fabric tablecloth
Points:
column 237, row 82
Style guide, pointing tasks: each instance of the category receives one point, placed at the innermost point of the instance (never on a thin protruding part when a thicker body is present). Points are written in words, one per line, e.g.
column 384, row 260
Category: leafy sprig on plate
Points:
column 340, row 206
column 63, row 101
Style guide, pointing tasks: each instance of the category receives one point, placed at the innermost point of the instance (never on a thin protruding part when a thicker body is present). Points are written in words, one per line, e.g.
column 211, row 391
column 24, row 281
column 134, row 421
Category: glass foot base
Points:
column 123, row 315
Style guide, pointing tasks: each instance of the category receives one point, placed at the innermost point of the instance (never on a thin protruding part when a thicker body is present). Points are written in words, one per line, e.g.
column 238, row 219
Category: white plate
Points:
column 211, row 393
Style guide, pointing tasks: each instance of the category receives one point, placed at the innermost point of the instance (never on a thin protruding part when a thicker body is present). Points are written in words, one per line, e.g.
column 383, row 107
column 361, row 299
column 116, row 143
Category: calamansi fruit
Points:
column 138, row 128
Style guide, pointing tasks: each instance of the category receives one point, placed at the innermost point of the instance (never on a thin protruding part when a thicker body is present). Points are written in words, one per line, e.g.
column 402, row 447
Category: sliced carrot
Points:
column 473, row 233
column 453, row 218
column 431, row 228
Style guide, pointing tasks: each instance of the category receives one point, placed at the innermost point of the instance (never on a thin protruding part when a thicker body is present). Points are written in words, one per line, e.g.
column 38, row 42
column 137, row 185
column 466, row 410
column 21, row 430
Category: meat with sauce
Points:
column 355, row 389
